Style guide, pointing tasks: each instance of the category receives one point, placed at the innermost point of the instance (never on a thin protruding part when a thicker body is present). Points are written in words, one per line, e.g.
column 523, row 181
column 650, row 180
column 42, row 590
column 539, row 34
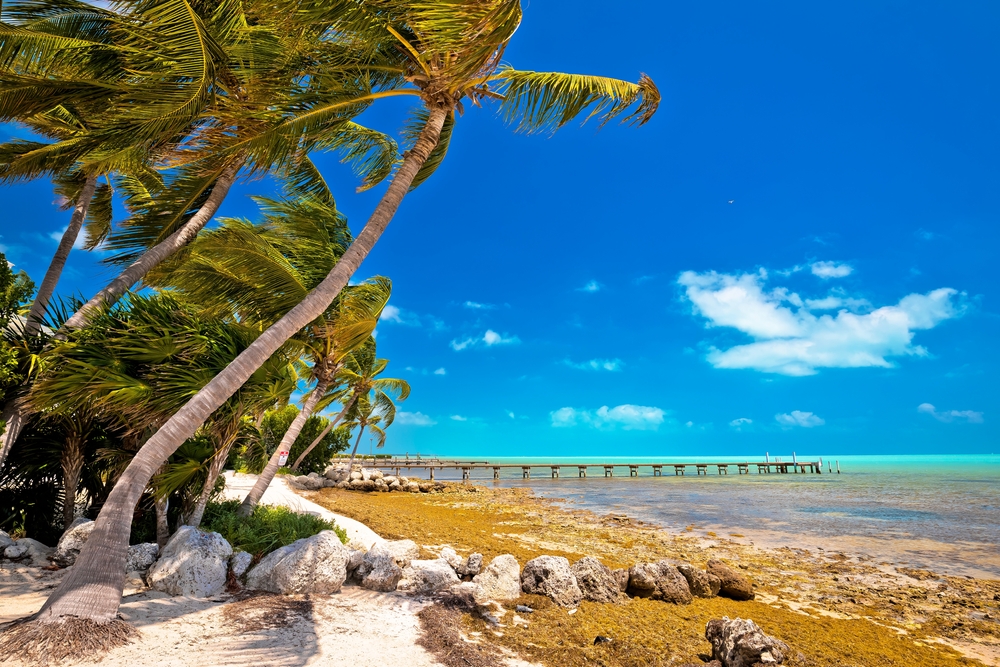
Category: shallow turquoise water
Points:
column 938, row 512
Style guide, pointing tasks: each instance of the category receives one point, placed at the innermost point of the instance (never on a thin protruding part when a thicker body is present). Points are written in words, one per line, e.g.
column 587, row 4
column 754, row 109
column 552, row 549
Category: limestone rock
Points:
column 732, row 584
column 402, row 551
column 343, row 485
column 5, row 541
column 471, row 566
column 621, row 576
column 389, row 479
column 470, row 594
column 306, row 482
column 72, row 541
column 740, row 643
column 134, row 583
column 356, row 476
column 427, row 576
column 141, row 557
column 37, row 554
column 500, row 579
column 193, row 564
column 660, row 581
column 702, row 584
column 240, row 563
column 337, row 473
column 15, row 550
column 596, row 580
column 379, row 572
column 413, row 487
column 316, row 564
column 551, row 576
column 354, row 559
column 452, row 557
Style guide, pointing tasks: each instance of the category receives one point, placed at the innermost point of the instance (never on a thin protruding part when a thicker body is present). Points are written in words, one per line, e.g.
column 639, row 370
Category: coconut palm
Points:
column 367, row 415
column 360, row 378
column 454, row 52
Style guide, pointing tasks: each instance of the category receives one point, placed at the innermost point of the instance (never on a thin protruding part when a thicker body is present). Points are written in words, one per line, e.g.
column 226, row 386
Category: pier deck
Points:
column 397, row 465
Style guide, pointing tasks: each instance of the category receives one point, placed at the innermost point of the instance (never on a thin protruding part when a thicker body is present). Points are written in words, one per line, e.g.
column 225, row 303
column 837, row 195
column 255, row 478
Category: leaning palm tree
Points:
column 361, row 378
column 367, row 415
column 455, row 49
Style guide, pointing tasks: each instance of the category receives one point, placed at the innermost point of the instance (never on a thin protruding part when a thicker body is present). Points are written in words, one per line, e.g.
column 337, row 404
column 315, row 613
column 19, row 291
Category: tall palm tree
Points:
column 367, row 415
column 360, row 377
column 455, row 48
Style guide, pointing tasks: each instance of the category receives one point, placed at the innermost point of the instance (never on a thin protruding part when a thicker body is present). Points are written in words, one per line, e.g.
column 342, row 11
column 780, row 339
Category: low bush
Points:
column 267, row 529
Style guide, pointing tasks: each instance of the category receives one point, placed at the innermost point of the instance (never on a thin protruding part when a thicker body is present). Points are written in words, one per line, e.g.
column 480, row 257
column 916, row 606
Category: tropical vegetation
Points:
column 129, row 406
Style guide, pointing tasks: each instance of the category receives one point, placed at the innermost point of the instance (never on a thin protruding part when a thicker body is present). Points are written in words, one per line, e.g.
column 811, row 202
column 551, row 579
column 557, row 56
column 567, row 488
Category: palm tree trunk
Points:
column 51, row 279
column 162, row 506
column 14, row 417
column 214, row 470
column 93, row 586
column 287, row 440
column 350, row 463
column 71, row 462
column 319, row 438
column 157, row 254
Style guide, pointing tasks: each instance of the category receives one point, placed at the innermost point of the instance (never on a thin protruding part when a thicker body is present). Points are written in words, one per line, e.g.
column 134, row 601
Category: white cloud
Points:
column 459, row 418
column 629, row 417
column 689, row 424
column 489, row 339
column 391, row 314
column 597, row 365
column 827, row 270
column 414, row 419
column 970, row 416
column 441, row 371
column 478, row 306
column 592, row 286
column 511, row 415
column 792, row 340
column 78, row 244
column 740, row 422
column 395, row 315
column 799, row 418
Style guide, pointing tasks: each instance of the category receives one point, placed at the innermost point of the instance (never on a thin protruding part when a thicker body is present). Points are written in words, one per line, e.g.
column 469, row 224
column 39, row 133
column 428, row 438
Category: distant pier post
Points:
column 582, row 471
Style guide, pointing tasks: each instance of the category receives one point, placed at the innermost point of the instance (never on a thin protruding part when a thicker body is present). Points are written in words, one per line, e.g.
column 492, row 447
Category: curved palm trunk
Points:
column 214, row 470
column 71, row 462
column 319, row 438
column 92, row 588
column 350, row 463
column 51, row 279
column 157, row 254
column 287, row 440
column 14, row 417
column 162, row 505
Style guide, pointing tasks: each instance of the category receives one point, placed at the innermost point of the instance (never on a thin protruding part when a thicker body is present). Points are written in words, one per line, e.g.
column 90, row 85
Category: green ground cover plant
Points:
column 266, row 529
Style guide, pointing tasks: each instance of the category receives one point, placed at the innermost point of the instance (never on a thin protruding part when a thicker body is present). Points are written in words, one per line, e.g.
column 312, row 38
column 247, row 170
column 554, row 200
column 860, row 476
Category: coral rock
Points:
column 316, row 564
column 500, row 579
column 732, row 584
column 193, row 564
column 71, row 542
column 740, row 643
column 703, row 584
column 551, row 576
column 596, row 581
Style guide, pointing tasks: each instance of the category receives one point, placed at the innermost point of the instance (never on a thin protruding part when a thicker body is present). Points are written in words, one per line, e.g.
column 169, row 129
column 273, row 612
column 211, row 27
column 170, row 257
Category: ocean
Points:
column 934, row 512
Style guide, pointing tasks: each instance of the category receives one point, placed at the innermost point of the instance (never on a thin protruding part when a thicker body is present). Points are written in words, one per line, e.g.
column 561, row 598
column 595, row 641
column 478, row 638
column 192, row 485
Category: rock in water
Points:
column 703, row 584
column 427, row 576
column 551, row 576
column 660, row 581
column 740, row 643
column 381, row 573
column 596, row 581
column 141, row 556
column 732, row 584
column 72, row 541
column 240, row 563
column 500, row 579
column 193, row 564
column 316, row 564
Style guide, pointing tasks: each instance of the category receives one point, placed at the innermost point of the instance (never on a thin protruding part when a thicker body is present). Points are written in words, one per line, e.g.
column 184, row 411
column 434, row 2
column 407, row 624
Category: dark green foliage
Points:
column 15, row 292
column 267, row 529
column 254, row 455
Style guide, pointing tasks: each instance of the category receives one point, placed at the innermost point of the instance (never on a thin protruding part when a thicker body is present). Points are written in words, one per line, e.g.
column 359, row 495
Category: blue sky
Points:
column 596, row 293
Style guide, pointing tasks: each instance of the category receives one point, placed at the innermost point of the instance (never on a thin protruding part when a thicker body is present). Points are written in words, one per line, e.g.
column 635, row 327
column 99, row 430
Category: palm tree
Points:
column 361, row 379
column 367, row 414
column 454, row 49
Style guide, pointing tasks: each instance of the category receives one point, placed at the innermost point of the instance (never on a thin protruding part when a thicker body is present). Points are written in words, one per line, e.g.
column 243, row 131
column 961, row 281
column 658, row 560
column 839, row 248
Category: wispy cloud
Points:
column 511, row 415
column 459, row 418
column 441, row 371
column 596, row 365
column 592, row 286
column 799, row 418
column 393, row 314
column 827, row 270
column 791, row 339
column 475, row 305
column 628, row 417
column 414, row 419
column 947, row 416
column 488, row 339
column 740, row 422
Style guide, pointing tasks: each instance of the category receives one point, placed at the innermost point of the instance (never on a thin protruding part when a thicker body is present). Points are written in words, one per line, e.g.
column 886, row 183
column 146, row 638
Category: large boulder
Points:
column 379, row 572
column 740, row 643
column 660, row 581
column 306, row 482
column 239, row 563
column 193, row 564
column 337, row 473
column 732, row 584
column 596, row 580
column 141, row 557
column 5, row 541
column 15, row 551
column 427, row 576
column 316, row 564
column 500, row 579
column 402, row 551
column 72, row 541
column 452, row 557
column 702, row 584
column 551, row 576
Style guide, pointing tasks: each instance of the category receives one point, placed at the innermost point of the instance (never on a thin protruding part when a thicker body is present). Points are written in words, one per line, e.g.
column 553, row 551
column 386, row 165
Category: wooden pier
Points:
column 397, row 465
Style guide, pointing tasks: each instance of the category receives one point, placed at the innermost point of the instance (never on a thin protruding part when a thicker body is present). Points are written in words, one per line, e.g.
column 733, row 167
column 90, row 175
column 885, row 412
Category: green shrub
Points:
column 267, row 529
